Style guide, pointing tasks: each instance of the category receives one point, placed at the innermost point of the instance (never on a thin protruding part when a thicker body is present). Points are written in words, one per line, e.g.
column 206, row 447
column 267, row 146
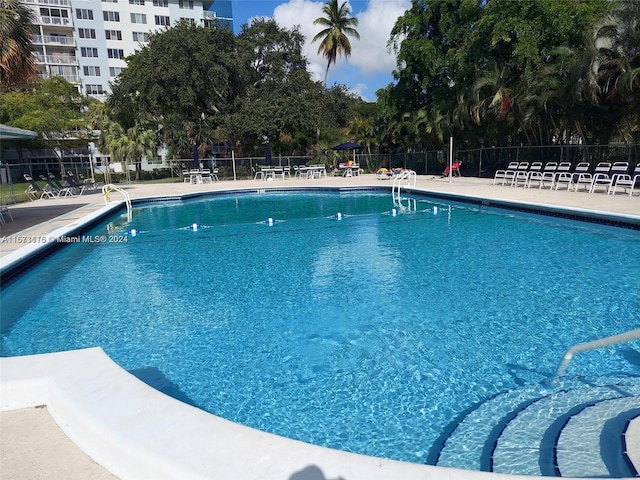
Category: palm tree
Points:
column 338, row 26
column 17, row 65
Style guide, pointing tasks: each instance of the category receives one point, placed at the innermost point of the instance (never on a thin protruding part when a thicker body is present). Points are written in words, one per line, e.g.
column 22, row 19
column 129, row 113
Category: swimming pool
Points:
column 366, row 334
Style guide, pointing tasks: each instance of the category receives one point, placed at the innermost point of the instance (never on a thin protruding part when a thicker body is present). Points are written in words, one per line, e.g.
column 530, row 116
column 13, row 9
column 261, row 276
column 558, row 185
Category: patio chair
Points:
column 504, row 173
column 4, row 210
column 601, row 177
column 33, row 191
column 626, row 181
column 545, row 175
column 581, row 176
column 57, row 191
column 70, row 181
column 563, row 175
column 618, row 169
column 521, row 175
column 455, row 169
column 384, row 174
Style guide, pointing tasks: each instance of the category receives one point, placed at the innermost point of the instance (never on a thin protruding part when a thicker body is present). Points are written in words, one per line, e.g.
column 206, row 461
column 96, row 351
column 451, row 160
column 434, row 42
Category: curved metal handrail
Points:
column 601, row 342
column 107, row 189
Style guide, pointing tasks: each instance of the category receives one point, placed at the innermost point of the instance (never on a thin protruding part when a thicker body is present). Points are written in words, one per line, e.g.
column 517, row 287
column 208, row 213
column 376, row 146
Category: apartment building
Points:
column 86, row 41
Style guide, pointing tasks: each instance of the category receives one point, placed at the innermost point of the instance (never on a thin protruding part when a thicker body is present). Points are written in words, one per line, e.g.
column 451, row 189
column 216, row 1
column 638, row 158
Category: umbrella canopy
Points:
column 348, row 146
column 267, row 154
column 196, row 162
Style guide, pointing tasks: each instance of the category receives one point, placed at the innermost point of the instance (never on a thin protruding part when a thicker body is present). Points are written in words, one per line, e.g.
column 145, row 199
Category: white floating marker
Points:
column 269, row 221
column 393, row 212
column 194, row 227
column 338, row 216
column 435, row 209
column 133, row 232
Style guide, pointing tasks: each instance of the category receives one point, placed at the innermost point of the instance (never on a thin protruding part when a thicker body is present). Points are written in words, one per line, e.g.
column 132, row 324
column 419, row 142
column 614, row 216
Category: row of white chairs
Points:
column 607, row 177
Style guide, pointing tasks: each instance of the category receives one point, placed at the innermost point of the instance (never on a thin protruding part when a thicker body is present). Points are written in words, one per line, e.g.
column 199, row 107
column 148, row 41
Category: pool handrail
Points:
column 107, row 189
column 408, row 175
column 599, row 343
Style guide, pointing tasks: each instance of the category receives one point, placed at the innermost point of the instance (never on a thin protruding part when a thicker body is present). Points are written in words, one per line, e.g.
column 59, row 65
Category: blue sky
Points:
column 370, row 65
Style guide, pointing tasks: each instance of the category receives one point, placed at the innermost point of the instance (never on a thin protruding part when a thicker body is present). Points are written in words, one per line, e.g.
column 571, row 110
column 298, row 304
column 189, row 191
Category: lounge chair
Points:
column 455, row 169
column 521, row 175
column 509, row 173
column 581, row 176
column 626, row 181
column 544, row 176
column 56, row 190
column 618, row 169
column 70, row 181
column 34, row 192
column 563, row 175
column 384, row 174
column 601, row 177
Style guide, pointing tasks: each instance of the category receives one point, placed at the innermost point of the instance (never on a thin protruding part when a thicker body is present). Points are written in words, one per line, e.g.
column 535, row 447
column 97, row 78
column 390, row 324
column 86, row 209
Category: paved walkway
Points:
column 32, row 446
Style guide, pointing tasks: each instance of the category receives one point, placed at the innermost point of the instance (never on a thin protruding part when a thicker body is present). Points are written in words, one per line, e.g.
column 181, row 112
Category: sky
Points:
column 370, row 65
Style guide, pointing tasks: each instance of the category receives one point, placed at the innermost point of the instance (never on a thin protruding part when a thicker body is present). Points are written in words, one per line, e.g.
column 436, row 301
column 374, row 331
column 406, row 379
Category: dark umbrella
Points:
column 267, row 154
column 349, row 146
column 196, row 163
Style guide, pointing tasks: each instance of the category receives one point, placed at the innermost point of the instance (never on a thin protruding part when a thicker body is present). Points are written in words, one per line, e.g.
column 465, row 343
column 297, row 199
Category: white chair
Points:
column 563, row 176
column 626, row 181
column 543, row 176
column 502, row 174
column 601, row 177
column 581, row 176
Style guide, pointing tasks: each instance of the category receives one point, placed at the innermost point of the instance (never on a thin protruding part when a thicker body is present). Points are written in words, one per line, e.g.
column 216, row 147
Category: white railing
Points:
column 57, row 59
column 54, row 20
column 602, row 342
column 406, row 178
column 106, row 191
column 49, row 2
column 53, row 39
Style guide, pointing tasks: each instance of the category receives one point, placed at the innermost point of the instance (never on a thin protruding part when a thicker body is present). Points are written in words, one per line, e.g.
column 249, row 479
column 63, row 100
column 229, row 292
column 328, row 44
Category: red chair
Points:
column 455, row 169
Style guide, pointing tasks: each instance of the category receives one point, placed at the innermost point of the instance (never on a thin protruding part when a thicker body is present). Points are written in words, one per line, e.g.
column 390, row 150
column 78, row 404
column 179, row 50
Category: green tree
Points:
column 183, row 83
column 338, row 27
column 17, row 65
column 55, row 110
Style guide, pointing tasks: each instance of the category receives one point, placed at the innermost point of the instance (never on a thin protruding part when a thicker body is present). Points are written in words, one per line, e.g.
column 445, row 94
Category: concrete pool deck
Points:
column 96, row 410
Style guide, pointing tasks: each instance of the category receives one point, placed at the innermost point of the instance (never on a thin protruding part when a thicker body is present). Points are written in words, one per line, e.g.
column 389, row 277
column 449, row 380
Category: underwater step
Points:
column 591, row 444
column 527, row 444
column 470, row 440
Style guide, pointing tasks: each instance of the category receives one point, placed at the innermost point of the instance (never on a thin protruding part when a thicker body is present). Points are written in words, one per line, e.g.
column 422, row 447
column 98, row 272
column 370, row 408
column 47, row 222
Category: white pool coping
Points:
column 137, row 432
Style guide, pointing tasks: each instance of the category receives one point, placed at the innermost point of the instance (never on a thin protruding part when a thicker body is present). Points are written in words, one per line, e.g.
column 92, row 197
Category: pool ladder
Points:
column 107, row 189
column 406, row 178
column 601, row 342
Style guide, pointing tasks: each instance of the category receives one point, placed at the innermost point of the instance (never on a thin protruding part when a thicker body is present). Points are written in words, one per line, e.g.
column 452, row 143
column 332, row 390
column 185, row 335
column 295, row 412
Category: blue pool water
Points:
column 367, row 334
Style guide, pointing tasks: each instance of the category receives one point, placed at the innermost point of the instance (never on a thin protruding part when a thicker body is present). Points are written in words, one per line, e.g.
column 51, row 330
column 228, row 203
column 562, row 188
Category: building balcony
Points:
column 53, row 39
column 61, row 3
column 69, row 78
column 56, row 59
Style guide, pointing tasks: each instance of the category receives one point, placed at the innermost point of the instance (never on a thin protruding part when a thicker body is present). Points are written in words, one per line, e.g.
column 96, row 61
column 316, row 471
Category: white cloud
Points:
column 369, row 54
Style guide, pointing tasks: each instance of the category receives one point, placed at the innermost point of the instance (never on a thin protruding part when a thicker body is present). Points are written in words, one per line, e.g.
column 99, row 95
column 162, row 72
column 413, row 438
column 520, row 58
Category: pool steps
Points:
column 541, row 428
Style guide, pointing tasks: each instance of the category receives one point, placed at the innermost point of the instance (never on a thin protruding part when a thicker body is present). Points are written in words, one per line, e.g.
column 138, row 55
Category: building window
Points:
column 94, row 89
column 191, row 21
column 84, row 14
column 162, row 20
column 91, row 71
column 188, row 4
column 87, row 33
column 140, row 36
column 138, row 18
column 113, row 34
column 136, row 2
column 115, row 71
column 89, row 52
column 115, row 53
column 111, row 16
column 110, row 1
column 160, row 3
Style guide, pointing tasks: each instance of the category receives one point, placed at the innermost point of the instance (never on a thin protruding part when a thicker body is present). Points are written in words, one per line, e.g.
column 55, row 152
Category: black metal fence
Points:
column 479, row 162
